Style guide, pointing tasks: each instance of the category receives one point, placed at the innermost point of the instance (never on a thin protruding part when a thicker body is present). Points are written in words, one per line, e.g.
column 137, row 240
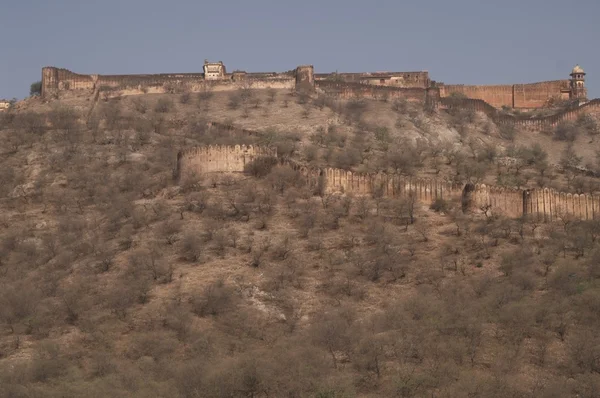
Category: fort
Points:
column 415, row 86
column 542, row 204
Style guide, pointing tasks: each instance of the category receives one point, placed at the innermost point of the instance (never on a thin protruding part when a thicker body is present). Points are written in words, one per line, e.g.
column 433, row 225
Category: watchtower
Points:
column 578, row 90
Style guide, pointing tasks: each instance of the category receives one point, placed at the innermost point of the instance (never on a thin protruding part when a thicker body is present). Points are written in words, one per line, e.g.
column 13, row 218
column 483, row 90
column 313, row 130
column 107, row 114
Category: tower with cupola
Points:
column 578, row 90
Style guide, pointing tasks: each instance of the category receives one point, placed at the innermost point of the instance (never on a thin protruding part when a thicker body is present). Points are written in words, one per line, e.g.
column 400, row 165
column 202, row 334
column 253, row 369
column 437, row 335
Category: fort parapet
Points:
column 377, row 85
column 541, row 204
column 218, row 158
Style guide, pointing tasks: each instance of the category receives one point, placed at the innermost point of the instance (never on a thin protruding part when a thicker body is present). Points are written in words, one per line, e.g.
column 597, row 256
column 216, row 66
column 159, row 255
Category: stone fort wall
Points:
column 58, row 79
column 528, row 96
column 377, row 85
column 533, row 123
column 541, row 204
column 350, row 90
column 207, row 159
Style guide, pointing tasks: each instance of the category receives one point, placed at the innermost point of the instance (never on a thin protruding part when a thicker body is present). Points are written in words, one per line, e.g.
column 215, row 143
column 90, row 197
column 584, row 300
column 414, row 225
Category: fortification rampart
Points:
column 549, row 205
column 538, row 95
column 376, row 85
column 541, row 204
column 497, row 96
column 528, row 96
column 218, row 158
column 537, row 123
column 389, row 185
column 393, row 79
column 57, row 79
column 349, row 90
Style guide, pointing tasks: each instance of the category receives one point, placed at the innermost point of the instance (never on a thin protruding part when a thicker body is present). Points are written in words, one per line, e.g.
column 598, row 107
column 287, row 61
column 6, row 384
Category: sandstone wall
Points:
column 538, row 123
column 497, row 96
column 348, row 90
column 542, row 204
column 396, row 79
column 218, row 158
column 533, row 95
column 549, row 205
column 389, row 185
column 504, row 201
column 537, row 95
column 55, row 79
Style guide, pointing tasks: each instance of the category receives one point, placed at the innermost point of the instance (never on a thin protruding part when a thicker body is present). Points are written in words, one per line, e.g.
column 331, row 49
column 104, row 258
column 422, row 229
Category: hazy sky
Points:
column 457, row 41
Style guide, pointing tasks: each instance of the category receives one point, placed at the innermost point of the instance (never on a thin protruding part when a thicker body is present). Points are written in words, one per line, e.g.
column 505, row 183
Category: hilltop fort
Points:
column 415, row 86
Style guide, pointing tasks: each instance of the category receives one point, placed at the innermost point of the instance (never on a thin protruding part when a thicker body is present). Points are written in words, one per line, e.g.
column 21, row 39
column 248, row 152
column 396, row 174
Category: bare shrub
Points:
column 140, row 105
column 565, row 131
column 150, row 262
column 283, row 177
column 185, row 98
column 192, row 246
column 163, row 105
column 440, row 206
column 30, row 122
column 235, row 101
column 261, row 166
column 216, row 299
column 507, row 131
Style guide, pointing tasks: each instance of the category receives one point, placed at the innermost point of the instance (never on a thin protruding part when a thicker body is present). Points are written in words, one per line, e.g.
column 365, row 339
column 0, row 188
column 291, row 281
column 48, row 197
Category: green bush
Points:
column 35, row 88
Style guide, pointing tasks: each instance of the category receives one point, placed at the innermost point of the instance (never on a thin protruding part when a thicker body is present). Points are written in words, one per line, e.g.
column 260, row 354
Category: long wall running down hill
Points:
column 541, row 204
column 536, row 123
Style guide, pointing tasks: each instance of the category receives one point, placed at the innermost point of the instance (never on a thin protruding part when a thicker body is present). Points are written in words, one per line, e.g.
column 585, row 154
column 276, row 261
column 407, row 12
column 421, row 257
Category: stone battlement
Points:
column 542, row 204
column 218, row 158
column 409, row 85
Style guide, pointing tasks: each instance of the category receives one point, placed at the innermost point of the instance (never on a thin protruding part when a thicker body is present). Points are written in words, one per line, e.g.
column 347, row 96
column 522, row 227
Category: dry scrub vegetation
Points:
column 115, row 281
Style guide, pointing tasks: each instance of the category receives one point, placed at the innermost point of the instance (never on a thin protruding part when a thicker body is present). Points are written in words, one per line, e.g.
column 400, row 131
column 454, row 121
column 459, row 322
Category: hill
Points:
column 117, row 280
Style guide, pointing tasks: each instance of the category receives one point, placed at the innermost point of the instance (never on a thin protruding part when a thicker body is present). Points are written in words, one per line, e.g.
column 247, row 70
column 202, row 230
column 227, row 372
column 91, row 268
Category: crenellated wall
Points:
column 389, row 185
column 535, row 123
column 505, row 201
column 542, row 204
column 207, row 159
column 549, row 205
column 415, row 86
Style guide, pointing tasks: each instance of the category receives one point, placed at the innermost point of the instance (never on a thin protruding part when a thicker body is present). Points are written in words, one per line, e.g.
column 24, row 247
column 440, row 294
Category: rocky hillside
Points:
column 117, row 281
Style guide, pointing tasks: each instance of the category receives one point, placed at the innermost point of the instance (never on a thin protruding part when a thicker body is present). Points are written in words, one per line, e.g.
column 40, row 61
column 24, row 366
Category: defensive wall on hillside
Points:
column 218, row 158
column 58, row 79
column 388, row 79
column 520, row 96
column 534, row 123
column 376, row 85
column 541, row 204
column 350, row 90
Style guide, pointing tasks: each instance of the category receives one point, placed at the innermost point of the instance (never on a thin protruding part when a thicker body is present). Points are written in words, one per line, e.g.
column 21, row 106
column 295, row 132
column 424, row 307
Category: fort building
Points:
column 214, row 70
column 4, row 105
column 415, row 86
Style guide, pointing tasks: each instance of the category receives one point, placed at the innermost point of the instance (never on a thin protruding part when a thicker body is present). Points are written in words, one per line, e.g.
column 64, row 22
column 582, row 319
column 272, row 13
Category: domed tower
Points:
column 578, row 90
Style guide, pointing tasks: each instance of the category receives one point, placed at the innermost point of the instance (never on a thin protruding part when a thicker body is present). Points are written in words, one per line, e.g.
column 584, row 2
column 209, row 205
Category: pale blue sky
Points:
column 457, row 41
